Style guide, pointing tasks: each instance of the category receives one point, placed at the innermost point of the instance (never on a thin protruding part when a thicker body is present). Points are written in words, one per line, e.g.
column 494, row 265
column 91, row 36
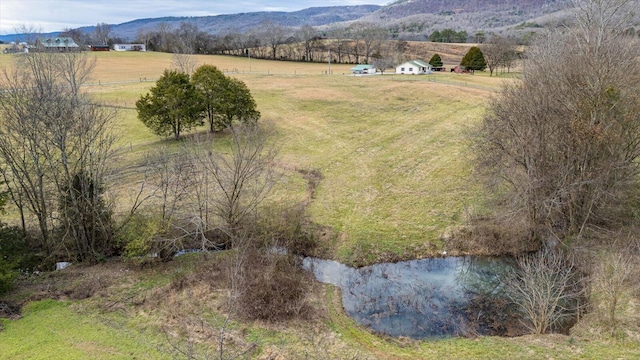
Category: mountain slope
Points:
column 316, row 16
column 407, row 19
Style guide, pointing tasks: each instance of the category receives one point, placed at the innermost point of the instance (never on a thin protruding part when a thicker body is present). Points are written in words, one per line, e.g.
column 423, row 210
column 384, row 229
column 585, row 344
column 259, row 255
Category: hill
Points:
column 414, row 19
column 417, row 17
column 316, row 16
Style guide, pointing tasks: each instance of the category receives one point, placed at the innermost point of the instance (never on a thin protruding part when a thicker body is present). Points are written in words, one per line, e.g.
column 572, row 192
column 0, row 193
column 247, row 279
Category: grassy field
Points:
column 396, row 180
column 391, row 149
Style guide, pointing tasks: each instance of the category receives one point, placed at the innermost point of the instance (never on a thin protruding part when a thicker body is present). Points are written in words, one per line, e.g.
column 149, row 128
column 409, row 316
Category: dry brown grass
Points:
column 451, row 54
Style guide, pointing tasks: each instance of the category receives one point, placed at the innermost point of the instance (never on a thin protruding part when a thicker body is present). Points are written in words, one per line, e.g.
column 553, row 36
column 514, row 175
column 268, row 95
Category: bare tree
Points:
column 23, row 161
column 597, row 20
column 497, row 52
column 372, row 36
column 274, row 35
column 547, row 288
column 565, row 140
column 101, row 33
column 339, row 43
column 164, row 40
column 28, row 33
column 244, row 177
column 56, row 145
column 80, row 37
column 389, row 55
column 308, row 34
column 184, row 62
column 75, row 68
column 169, row 176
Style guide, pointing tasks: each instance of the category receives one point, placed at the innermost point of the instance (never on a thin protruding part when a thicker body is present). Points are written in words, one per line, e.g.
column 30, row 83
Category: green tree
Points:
column 210, row 85
column 225, row 99
column 474, row 59
column 172, row 106
column 85, row 214
column 460, row 37
column 435, row 61
column 238, row 104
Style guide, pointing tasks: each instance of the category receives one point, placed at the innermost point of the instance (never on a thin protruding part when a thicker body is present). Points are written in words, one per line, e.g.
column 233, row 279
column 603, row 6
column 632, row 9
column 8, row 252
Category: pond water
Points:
column 436, row 297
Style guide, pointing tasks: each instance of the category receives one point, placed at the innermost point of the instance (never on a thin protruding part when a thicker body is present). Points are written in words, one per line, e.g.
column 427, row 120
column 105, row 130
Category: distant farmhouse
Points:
column 363, row 69
column 415, row 67
column 129, row 47
column 60, row 44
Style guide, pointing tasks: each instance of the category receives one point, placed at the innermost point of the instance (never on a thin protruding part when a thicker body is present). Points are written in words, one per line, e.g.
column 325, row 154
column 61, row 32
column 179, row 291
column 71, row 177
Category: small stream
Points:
column 428, row 298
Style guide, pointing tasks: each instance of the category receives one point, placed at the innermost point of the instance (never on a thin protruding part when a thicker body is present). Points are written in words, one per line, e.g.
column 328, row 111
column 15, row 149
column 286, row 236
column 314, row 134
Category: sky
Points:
column 57, row 15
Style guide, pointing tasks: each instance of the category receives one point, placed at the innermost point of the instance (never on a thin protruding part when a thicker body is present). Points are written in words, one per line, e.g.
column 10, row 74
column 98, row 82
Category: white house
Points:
column 363, row 69
column 415, row 67
column 129, row 47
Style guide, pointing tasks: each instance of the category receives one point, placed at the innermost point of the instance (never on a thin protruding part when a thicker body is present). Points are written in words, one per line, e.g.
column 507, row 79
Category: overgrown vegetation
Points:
column 559, row 152
column 56, row 146
column 561, row 147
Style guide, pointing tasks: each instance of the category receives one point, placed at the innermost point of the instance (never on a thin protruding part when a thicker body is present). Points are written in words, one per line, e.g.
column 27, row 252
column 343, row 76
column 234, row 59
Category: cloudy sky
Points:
column 56, row 15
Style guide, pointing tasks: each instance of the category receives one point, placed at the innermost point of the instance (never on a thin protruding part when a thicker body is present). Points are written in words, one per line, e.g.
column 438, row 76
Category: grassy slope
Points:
column 395, row 174
column 131, row 309
column 53, row 330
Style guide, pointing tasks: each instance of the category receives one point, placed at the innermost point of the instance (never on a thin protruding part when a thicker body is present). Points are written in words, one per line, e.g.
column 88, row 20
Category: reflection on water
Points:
column 421, row 298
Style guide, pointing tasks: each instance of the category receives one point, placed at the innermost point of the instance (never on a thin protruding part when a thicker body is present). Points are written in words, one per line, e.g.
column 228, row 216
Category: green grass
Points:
column 51, row 329
column 392, row 154
column 391, row 148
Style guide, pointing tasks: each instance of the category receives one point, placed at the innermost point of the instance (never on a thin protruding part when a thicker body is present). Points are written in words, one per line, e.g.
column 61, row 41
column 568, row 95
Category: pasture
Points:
column 391, row 149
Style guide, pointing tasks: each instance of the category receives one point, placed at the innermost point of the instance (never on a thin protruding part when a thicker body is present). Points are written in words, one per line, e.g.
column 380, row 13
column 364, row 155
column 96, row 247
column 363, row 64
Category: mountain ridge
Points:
column 424, row 15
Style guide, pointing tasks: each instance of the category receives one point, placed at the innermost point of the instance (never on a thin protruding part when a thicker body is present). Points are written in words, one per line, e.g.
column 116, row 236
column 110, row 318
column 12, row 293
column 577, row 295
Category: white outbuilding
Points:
column 414, row 67
column 129, row 47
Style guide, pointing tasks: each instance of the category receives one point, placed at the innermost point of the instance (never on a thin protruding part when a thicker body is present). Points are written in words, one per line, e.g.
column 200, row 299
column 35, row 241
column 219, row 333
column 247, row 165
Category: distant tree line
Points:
column 449, row 36
column 360, row 42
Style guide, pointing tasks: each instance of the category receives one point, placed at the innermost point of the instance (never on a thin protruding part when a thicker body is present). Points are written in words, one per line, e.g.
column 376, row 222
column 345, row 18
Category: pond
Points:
column 428, row 298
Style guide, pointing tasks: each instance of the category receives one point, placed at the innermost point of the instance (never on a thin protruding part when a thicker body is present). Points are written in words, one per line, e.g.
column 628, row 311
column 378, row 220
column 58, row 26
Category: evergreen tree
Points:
column 172, row 106
column 224, row 98
column 474, row 60
column 435, row 61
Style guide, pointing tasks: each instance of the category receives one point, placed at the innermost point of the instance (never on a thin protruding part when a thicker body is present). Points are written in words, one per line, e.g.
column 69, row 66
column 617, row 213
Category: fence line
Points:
column 444, row 81
column 395, row 77
column 224, row 71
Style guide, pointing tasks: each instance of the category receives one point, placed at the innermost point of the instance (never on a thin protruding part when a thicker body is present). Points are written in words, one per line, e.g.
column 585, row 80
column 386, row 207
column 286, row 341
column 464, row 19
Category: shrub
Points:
column 136, row 237
column 15, row 254
column 272, row 287
column 288, row 228
column 547, row 288
column 612, row 288
column 7, row 276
